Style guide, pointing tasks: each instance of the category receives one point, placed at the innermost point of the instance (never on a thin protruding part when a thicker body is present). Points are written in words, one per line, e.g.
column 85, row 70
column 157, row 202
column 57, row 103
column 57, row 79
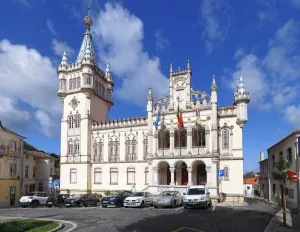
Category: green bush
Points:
column 28, row 225
column 107, row 192
column 99, row 195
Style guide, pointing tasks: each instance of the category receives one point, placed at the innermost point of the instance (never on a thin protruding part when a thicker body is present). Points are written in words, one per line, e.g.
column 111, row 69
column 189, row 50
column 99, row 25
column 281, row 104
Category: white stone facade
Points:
column 98, row 154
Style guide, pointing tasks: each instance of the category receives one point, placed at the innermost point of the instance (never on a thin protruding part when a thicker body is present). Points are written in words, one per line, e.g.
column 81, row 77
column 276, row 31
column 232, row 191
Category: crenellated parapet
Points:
column 241, row 97
column 126, row 122
column 229, row 111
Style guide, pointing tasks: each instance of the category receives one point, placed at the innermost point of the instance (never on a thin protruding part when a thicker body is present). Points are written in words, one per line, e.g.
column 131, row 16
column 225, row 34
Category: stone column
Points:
column 171, row 141
column 207, row 144
column 190, row 181
column 208, row 175
column 154, row 176
column 214, row 178
column 155, row 143
column 172, row 170
column 150, row 174
column 189, row 141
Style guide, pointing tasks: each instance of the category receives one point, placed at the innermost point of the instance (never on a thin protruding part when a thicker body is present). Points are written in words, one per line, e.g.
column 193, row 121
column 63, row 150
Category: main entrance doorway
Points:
column 164, row 174
column 200, row 171
column 181, row 173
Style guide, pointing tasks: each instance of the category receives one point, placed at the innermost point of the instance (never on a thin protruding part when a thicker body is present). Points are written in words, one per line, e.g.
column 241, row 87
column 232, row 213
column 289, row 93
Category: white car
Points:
column 34, row 199
column 196, row 196
column 138, row 199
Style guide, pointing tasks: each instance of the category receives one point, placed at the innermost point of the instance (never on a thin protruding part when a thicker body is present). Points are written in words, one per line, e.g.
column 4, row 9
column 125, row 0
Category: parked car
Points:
column 57, row 200
column 138, row 199
column 116, row 199
column 168, row 198
column 34, row 199
column 85, row 200
column 197, row 196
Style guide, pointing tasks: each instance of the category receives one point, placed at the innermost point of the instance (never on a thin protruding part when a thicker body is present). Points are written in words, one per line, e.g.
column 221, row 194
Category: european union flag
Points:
column 157, row 119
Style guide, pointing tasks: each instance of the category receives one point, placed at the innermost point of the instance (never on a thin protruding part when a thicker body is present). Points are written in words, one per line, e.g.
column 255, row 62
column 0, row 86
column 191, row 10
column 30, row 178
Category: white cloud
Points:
column 128, row 59
column 23, row 2
column 58, row 48
column 295, row 3
column 267, row 10
column 32, row 79
column 292, row 115
column 50, row 26
column 161, row 41
column 216, row 18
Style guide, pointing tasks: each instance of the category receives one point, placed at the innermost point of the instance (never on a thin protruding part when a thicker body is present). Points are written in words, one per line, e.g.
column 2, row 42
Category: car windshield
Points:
column 167, row 193
column 196, row 191
column 138, row 194
column 29, row 194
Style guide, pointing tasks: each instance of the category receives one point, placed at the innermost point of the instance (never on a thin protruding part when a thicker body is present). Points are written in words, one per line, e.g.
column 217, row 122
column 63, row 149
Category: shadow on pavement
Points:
column 204, row 221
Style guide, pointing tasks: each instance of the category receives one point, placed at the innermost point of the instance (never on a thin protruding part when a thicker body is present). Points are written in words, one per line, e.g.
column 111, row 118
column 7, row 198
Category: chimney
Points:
column 262, row 156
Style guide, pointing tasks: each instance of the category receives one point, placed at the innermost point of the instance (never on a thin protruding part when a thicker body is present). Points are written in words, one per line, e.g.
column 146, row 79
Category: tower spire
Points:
column 240, row 87
column 87, row 48
column 107, row 72
column 64, row 60
column 213, row 84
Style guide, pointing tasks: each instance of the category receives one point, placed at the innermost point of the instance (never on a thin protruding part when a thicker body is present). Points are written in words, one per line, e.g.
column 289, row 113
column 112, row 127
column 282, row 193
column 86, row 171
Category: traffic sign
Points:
column 292, row 175
column 56, row 183
column 50, row 178
column 50, row 185
column 221, row 172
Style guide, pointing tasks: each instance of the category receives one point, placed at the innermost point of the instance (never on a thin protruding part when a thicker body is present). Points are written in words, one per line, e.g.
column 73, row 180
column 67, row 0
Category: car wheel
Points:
column 142, row 205
column 126, row 207
column 181, row 204
column 155, row 206
column 49, row 206
column 185, row 207
column 104, row 206
column 34, row 204
column 60, row 205
column 24, row 206
column 81, row 204
column 119, row 204
column 206, row 205
column 174, row 204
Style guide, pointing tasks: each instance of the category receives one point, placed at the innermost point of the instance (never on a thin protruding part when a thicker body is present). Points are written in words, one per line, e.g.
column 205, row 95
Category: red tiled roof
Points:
column 293, row 133
column 10, row 131
column 38, row 154
column 251, row 180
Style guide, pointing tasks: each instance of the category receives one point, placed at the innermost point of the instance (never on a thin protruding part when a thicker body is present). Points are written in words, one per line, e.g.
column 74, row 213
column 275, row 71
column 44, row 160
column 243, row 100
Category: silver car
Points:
column 168, row 198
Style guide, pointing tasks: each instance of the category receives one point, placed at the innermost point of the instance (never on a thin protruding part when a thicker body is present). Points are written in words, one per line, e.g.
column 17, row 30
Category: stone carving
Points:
column 74, row 103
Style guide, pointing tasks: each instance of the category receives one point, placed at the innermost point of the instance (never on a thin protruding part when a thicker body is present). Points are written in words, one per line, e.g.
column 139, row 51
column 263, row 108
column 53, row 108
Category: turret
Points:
column 214, row 128
column 241, row 100
column 262, row 156
column 150, row 123
column 62, row 68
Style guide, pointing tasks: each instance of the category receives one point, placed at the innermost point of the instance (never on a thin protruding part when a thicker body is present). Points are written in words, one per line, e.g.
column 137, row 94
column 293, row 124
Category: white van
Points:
column 196, row 196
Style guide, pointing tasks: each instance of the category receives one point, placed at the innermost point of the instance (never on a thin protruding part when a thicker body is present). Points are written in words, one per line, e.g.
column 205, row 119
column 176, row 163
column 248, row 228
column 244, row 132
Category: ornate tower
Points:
column 214, row 127
column 241, row 100
column 180, row 87
column 86, row 92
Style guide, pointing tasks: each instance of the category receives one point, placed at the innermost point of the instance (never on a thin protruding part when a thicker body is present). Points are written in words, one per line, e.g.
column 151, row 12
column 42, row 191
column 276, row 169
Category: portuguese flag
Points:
column 179, row 116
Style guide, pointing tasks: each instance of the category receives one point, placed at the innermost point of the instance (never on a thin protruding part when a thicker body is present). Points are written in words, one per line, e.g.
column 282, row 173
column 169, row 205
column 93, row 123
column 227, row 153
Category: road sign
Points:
column 56, row 183
column 292, row 175
column 50, row 178
column 50, row 185
column 221, row 172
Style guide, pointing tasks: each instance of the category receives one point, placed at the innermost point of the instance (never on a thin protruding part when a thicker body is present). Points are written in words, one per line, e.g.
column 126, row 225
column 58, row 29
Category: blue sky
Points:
column 259, row 38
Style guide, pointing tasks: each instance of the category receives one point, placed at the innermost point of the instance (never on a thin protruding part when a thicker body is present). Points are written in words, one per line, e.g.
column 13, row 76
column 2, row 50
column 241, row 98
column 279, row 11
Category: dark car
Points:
column 85, row 200
column 115, row 199
column 57, row 200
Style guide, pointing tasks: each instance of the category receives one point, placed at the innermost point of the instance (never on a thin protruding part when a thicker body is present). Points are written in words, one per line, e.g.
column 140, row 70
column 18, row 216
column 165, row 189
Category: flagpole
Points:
column 179, row 141
column 198, row 137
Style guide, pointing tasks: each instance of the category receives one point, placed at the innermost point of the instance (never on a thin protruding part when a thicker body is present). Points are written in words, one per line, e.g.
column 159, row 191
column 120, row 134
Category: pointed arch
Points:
column 131, row 146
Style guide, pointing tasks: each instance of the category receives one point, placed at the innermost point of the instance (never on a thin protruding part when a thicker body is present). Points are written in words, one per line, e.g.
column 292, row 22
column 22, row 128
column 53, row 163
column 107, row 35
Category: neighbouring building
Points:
column 38, row 167
column 250, row 185
column 11, row 155
column 150, row 152
column 289, row 149
column 264, row 177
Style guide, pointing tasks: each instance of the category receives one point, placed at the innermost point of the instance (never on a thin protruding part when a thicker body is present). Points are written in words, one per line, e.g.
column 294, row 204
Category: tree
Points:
column 283, row 167
column 249, row 174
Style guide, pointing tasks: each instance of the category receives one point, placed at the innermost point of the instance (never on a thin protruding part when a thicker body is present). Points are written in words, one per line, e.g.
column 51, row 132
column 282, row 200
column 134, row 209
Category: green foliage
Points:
column 107, row 192
column 27, row 225
column 89, row 191
column 99, row 195
column 283, row 167
column 249, row 174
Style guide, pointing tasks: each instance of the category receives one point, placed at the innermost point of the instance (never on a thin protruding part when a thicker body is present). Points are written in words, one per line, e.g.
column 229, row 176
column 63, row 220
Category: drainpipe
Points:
column 297, row 170
column 22, row 166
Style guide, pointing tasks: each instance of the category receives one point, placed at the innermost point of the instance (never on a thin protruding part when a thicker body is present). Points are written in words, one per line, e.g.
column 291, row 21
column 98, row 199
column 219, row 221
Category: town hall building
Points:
column 151, row 152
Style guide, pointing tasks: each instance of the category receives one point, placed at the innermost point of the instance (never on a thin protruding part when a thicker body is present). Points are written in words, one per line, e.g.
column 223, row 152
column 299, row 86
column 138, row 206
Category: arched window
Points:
column 70, row 122
column 77, row 147
column 70, row 84
column 70, row 148
column 77, row 121
column 146, row 175
column 145, row 148
column 225, row 139
column 198, row 137
column 180, row 138
column 130, row 150
column 73, row 176
column 226, row 173
column 98, row 151
column 113, row 148
column 87, row 78
column 78, row 82
column 163, row 139
column 40, row 186
column 74, row 83
column 63, row 84
column 130, row 175
column 98, row 176
column 114, row 176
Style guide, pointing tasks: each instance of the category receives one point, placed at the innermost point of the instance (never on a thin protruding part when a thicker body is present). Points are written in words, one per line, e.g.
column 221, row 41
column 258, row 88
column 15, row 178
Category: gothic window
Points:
column 73, row 176
column 40, row 186
column 163, row 139
column 225, row 139
column 180, row 138
column 70, row 121
column 145, row 148
column 198, row 137
column 70, row 84
column 111, row 151
column 78, row 82
column 63, row 84
column 74, row 83
column 226, row 173
column 131, row 150
column 114, row 151
column 103, row 91
column 98, row 151
column 130, row 175
column 87, row 78
column 108, row 94
column 146, row 175
column 95, row 148
column 77, row 121
column 77, row 148
column 97, row 175
column 70, row 148
column 114, row 176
